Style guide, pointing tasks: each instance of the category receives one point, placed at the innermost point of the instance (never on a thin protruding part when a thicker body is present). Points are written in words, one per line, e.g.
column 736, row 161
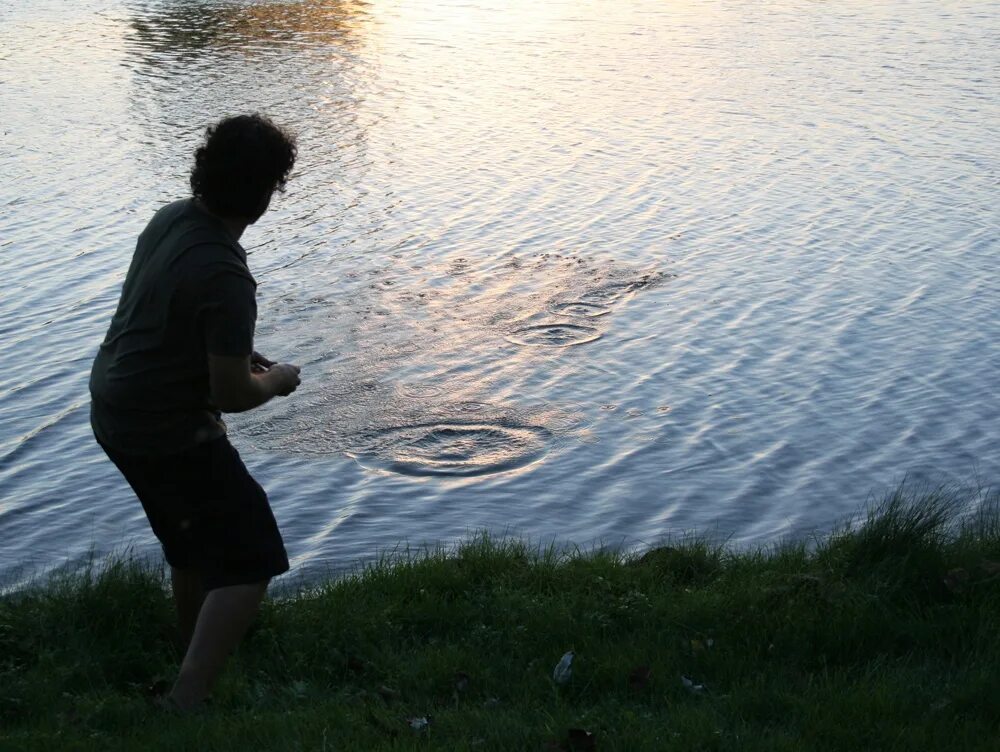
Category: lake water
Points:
column 584, row 271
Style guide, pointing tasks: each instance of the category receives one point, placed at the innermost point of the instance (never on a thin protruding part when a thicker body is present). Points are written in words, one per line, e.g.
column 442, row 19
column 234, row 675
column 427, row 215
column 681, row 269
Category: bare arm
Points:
column 235, row 388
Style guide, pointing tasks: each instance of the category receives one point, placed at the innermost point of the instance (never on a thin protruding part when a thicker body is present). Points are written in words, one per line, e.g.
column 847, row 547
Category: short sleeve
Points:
column 229, row 314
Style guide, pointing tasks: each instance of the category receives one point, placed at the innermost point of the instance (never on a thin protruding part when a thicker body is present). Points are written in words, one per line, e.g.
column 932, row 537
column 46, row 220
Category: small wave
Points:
column 558, row 334
column 581, row 308
column 454, row 449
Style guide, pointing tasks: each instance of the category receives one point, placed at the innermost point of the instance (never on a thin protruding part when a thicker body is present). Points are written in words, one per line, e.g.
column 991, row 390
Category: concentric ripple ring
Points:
column 554, row 335
column 454, row 448
column 581, row 308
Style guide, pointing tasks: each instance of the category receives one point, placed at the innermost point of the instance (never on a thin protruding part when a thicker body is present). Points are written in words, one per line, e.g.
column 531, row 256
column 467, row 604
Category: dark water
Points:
column 589, row 271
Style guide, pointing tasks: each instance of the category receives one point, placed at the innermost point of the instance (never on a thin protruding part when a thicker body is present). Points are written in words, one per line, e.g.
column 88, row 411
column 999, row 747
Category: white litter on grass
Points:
column 691, row 685
column 419, row 724
column 564, row 669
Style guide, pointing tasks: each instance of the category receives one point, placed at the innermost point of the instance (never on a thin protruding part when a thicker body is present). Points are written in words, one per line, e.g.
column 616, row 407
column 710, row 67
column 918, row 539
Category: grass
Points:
column 882, row 635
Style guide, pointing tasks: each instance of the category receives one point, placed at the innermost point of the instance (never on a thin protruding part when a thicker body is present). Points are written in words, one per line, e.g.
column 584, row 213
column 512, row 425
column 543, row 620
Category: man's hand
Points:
column 235, row 386
column 258, row 363
column 284, row 378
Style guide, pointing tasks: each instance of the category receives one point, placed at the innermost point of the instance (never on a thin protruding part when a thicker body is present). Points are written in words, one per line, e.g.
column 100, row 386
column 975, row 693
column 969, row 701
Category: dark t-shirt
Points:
column 188, row 293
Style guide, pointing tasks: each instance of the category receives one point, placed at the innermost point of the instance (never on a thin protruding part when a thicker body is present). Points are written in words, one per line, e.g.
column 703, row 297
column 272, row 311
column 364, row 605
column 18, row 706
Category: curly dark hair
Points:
column 243, row 161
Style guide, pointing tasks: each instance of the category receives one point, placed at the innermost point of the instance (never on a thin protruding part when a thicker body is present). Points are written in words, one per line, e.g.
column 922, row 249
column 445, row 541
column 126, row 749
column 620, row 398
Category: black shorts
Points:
column 208, row 512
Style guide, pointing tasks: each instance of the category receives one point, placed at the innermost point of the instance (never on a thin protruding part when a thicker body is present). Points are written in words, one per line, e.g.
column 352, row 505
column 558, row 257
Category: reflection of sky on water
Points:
column 813, row 180
column 188, row 30
column 192, row 61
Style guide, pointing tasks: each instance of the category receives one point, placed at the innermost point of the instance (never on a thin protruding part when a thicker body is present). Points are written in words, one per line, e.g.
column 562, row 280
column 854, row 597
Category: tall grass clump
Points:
column 881, row 635
column 902, row 544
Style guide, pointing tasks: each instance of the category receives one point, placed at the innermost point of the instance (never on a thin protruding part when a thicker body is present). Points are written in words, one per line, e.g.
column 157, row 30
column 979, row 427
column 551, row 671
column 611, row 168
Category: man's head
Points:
column 243, row 161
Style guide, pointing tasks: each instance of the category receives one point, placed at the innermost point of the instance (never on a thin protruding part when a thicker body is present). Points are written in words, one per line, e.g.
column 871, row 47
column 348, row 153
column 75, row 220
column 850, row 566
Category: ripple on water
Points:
column 567, row 421
column 559, row 334
column 472, row 406
column 420, row 391
column 454, row 448
column 581, row 308
column 607, row 294
column 338, row 387
column 611, row 292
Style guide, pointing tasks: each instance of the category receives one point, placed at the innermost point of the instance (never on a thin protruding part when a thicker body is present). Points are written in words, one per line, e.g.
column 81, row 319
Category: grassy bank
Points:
column 885, row 636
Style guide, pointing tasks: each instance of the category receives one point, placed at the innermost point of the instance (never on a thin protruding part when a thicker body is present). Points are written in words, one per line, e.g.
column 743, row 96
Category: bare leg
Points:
column 222, row 622
column 188, row 597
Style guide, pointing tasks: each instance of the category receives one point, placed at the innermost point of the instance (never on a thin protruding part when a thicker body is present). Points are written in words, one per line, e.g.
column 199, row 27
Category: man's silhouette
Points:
column 178, row 353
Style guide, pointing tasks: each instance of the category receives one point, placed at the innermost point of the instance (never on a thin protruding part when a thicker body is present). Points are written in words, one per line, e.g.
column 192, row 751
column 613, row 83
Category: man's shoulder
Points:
column 198, row 239
column 214, row 266
column 168, row 215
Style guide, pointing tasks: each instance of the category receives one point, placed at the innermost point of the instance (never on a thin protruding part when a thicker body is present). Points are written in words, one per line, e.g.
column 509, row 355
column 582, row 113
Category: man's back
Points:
column 188, row 289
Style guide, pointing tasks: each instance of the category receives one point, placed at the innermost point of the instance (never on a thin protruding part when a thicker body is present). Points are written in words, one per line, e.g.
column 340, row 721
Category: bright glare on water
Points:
column 590, row 270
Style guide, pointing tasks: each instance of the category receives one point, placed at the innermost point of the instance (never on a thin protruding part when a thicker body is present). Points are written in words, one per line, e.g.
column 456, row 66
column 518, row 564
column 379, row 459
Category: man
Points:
column 178, row 353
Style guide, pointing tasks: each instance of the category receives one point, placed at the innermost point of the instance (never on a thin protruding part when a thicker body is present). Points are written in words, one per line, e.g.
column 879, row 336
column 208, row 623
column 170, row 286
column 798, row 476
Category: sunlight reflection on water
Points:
column 769, row 232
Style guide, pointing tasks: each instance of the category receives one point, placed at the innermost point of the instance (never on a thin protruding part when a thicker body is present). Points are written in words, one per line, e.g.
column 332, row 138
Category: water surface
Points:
column 591, row 271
